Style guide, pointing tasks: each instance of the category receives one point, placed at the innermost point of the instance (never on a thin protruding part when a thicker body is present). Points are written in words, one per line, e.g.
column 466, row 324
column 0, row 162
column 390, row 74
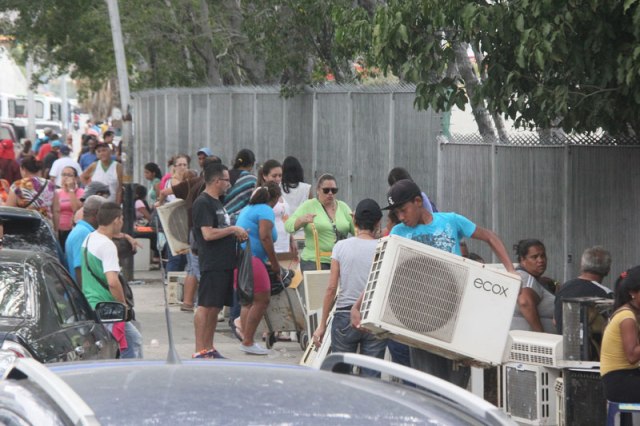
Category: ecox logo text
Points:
column 496, row 289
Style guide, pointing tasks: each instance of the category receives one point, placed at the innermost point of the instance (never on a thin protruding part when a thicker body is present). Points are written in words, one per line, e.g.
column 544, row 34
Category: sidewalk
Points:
column 150, row 314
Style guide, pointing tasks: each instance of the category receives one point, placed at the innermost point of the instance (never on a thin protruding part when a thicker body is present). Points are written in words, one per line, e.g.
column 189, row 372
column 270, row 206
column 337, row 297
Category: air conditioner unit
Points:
column 583, row 322
column 530, row 396
column 530, row 347
column 438, row 301
column 560, row 402
column 585, row 403
column 174, row 218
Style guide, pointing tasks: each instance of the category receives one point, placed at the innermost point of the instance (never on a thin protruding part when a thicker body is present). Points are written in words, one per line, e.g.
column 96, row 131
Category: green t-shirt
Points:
column 101, row 257
column 326, row 234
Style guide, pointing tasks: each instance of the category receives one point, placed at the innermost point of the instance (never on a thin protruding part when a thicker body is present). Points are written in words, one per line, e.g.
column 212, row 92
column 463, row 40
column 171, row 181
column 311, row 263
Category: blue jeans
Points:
column 134, row 342
column 175, row 263
column 399, row 353
column 345, row 338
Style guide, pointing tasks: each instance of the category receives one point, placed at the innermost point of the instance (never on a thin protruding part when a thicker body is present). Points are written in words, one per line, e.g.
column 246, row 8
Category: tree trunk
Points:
column 204, row 48
column 468, row 74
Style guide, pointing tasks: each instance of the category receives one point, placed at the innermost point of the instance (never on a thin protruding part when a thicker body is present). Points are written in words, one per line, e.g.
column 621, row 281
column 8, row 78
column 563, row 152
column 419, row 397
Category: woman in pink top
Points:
column 69, row 202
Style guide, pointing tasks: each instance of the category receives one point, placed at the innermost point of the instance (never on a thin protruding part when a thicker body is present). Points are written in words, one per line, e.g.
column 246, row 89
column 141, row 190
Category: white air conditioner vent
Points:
column 530, row 392
column 530, row 347
column 438, row 301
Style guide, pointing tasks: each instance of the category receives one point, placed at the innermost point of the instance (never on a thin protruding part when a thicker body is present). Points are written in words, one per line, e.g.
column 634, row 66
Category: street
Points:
column 150, row 315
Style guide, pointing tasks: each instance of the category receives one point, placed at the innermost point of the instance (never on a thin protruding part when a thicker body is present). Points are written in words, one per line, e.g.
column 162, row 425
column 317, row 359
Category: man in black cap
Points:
column 443, row 231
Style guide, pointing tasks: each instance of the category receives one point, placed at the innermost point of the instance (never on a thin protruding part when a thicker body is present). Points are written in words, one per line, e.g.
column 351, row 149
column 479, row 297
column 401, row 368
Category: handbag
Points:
column 126, row 288
column 245, row 274
column 279, row 284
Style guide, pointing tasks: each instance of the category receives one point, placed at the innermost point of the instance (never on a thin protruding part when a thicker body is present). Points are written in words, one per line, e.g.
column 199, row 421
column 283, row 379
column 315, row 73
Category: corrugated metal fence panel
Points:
column 242, row 119
column 184, row 128
column 334, row 124
column 220, row 126
column 160, row 133
column 530, row 194
column 415, row 145
column 172, row 138
column 370, row 147
column 270, row 129
column 199, row 121
column 466, row 186
column 605, row 205
column 299, row 131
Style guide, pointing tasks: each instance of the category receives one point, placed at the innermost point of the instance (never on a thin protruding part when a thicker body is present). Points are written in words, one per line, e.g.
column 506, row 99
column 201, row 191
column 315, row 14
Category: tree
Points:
column 569, row 64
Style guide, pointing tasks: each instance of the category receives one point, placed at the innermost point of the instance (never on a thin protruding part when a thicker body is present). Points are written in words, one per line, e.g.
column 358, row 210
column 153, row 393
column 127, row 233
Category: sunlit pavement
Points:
column 150, row 314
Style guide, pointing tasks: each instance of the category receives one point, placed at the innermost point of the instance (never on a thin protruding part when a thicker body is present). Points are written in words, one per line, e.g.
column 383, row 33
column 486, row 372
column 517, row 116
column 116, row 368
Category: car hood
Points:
column 225, row 392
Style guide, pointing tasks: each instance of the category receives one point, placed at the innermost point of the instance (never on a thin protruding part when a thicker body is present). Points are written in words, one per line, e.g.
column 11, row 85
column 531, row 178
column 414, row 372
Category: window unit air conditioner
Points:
column 530, row 347
column 438, row 301
column 174, row 218
column 560, row 401
column 583, row 322
column 585, row 403
column 530, row 396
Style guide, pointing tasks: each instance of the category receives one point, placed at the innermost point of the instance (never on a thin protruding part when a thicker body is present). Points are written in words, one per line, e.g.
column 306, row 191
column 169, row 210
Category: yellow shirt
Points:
column 612, row 357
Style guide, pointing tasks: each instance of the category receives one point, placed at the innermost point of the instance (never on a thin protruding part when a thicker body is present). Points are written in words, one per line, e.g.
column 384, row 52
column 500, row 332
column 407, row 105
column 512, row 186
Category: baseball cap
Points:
column 401, row 192
column 368, row 210
column 95, row 188
column 65, row 150
column 206, row 151
column 56, row 144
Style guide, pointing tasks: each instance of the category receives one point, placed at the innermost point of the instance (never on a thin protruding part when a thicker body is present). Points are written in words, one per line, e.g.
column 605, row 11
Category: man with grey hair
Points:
column 595, row 264
column 85, row 226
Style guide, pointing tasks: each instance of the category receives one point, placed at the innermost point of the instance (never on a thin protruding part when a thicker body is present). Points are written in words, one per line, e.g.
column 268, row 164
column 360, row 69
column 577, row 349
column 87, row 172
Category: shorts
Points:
column 193, row 265
column 261, row 280
column 216, row 288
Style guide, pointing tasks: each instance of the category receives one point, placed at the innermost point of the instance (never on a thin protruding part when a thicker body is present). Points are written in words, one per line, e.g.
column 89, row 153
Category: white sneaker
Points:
column 220, row 316
column 254, row 349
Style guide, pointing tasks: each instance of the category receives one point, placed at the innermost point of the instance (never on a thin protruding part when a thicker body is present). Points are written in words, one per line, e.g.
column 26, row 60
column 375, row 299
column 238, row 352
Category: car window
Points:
column 12, row 290
column 59, row 295
column 80, row 305
column 28, row 234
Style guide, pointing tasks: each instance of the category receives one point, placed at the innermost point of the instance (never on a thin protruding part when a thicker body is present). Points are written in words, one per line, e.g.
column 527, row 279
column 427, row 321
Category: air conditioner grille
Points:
column 532, row 354
column 425, row 294
column 522, row 391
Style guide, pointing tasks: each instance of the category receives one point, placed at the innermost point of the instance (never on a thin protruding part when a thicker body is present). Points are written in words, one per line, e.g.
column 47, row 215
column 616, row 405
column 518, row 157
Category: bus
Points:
column 14, row 111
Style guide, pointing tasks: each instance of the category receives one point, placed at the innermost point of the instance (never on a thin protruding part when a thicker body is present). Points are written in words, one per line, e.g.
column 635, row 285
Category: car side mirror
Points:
column 110, row 312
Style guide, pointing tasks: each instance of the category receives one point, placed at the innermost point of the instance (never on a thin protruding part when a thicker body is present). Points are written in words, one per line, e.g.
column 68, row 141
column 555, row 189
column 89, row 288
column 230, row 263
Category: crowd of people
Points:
column 274, row 210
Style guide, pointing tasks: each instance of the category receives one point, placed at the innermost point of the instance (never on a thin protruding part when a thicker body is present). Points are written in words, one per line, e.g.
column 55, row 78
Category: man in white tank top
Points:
column 106, row 170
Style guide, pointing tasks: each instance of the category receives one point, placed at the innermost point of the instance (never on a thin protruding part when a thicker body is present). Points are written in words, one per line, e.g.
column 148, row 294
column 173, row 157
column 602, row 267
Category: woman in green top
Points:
column 152, row 174
column 330, row 217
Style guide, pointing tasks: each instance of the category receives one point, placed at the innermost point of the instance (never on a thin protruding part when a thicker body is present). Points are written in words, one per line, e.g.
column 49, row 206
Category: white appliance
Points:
column 438, row 301
column 174, row 219
column 559, row 387
column 530, row 395
column 530, row 347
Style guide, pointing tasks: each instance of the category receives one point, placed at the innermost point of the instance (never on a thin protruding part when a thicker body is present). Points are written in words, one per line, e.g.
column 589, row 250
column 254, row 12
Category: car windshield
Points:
column 13, row 301
column 5, row 133
column 28, row 234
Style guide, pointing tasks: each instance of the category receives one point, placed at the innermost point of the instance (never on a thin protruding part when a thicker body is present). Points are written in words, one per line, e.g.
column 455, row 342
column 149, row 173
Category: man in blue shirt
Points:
column 443, row 231
column 73, row 245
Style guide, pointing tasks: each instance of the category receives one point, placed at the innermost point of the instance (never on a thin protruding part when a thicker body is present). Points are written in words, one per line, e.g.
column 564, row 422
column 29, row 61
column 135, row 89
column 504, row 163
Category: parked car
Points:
column 225, row 392
column 27, row 230
column 44, row 315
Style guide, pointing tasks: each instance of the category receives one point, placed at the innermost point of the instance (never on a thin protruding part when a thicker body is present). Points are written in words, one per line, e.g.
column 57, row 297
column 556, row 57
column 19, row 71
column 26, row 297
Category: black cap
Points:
column 368, row 210
column 401, row 192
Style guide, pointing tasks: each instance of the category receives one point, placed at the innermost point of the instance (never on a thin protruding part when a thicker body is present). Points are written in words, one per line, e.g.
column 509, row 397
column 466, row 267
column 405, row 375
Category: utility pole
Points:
column 30, row 131
column 127, row 138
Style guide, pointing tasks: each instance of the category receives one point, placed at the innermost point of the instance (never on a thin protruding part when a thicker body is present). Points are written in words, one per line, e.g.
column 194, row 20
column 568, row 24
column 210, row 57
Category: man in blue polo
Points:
column 443, row 231
column 88, row 224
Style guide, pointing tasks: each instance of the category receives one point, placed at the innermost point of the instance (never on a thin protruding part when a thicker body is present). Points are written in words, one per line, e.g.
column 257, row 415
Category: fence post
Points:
column 565, row 212
column 392, row 133
column 494, row 192
column 350, row 149
column 314, row 137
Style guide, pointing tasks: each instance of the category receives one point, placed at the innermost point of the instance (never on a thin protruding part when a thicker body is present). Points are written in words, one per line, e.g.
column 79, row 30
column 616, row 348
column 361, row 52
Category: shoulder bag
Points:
column 126, row 288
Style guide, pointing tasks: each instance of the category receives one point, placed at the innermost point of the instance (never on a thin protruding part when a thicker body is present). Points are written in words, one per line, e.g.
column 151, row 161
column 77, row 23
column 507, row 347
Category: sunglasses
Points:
column 330, row 190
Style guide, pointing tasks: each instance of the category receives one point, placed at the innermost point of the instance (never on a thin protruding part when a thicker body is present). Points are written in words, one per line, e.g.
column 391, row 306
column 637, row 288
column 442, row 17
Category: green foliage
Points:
column 572, row 64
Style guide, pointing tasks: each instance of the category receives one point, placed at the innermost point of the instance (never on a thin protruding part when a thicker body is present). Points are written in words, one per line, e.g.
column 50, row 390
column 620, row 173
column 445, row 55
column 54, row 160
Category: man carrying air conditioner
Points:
column 443, row 231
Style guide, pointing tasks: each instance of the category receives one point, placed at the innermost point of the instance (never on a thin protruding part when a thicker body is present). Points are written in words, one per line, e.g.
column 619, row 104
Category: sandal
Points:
column 186, row 308
column 237, row 331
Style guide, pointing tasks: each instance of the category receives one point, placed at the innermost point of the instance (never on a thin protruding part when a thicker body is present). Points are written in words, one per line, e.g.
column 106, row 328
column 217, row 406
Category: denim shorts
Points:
column 193, row 265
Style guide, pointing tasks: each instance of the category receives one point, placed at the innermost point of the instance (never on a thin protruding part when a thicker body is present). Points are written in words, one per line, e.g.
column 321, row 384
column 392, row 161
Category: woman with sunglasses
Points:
column 69, row 196
column 325, row 215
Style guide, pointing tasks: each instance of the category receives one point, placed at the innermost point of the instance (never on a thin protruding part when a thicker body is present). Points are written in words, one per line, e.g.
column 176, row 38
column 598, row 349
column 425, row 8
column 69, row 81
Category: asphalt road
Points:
column 150, row 314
